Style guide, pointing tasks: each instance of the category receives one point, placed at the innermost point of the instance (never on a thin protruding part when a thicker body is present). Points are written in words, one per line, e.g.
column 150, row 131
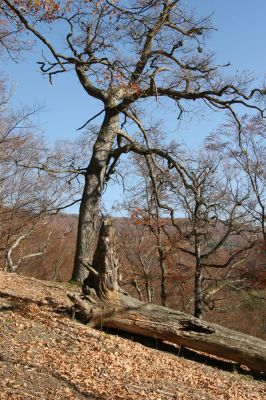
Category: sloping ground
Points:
column 46, row 355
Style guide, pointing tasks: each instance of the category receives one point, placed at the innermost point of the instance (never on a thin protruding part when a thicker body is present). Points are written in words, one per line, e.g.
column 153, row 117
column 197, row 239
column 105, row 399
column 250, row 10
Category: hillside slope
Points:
column 46, row 355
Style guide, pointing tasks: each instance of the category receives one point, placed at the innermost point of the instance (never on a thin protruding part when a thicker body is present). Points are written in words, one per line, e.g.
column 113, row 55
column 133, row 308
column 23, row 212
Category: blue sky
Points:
column 240, row 39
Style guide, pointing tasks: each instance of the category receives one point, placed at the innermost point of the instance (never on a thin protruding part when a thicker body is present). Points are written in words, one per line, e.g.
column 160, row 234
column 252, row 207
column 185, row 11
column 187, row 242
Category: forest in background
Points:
column 157, row 252
column 48, row 254
column 193, row 237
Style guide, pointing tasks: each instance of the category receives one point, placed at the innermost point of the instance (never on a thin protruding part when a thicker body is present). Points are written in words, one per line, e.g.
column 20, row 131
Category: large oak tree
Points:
column 124, row 52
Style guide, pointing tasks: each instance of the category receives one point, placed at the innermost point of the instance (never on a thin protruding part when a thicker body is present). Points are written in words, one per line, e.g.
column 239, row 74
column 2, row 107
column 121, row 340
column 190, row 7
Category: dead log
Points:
column 130, row 315
column 103, row 304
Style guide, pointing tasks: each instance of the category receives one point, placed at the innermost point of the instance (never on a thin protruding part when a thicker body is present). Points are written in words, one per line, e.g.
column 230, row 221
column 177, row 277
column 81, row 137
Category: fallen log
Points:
column 130, row 315
column 103, row 304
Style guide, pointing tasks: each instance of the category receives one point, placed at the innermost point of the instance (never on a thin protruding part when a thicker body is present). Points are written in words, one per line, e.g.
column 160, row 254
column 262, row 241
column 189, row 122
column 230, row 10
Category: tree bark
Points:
column 130, row 315
column 104, row 304
column 103, row 277
column 164, row 292
column 198, row 299
column 90, row 204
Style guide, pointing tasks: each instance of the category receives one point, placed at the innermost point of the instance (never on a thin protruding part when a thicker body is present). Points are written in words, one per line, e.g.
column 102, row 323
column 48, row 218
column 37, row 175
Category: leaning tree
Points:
column 126, row 54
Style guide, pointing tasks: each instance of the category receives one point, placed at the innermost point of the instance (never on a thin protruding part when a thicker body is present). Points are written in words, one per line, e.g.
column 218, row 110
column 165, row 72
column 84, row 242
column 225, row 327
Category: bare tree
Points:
column 161, row 56
column 138, row 258
column 144, row 212
column 214, row 229
column 246, row 148
column 28, row 195
column 123, row 54
column 218, row 231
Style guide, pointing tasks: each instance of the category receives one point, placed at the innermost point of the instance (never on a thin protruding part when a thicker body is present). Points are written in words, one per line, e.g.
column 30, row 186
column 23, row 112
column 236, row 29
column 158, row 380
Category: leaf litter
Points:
column 44, row 354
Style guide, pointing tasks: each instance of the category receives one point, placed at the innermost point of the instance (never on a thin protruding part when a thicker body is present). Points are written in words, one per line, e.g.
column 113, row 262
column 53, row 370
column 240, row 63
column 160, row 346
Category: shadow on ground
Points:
column 186, row 353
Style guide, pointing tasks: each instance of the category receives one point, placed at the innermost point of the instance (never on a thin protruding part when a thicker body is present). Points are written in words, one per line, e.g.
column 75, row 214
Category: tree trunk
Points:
column 102, row 279
column 164, row 292
column 90, row 204
column 198, row 299
column 148, row 288
column 104, row 304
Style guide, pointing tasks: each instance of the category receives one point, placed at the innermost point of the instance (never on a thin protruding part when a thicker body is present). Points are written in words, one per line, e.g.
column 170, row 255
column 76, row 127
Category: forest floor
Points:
column 44, row 354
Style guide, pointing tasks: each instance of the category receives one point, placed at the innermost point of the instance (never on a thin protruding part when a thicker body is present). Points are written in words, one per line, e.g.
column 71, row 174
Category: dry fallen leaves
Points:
column 46, row 355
